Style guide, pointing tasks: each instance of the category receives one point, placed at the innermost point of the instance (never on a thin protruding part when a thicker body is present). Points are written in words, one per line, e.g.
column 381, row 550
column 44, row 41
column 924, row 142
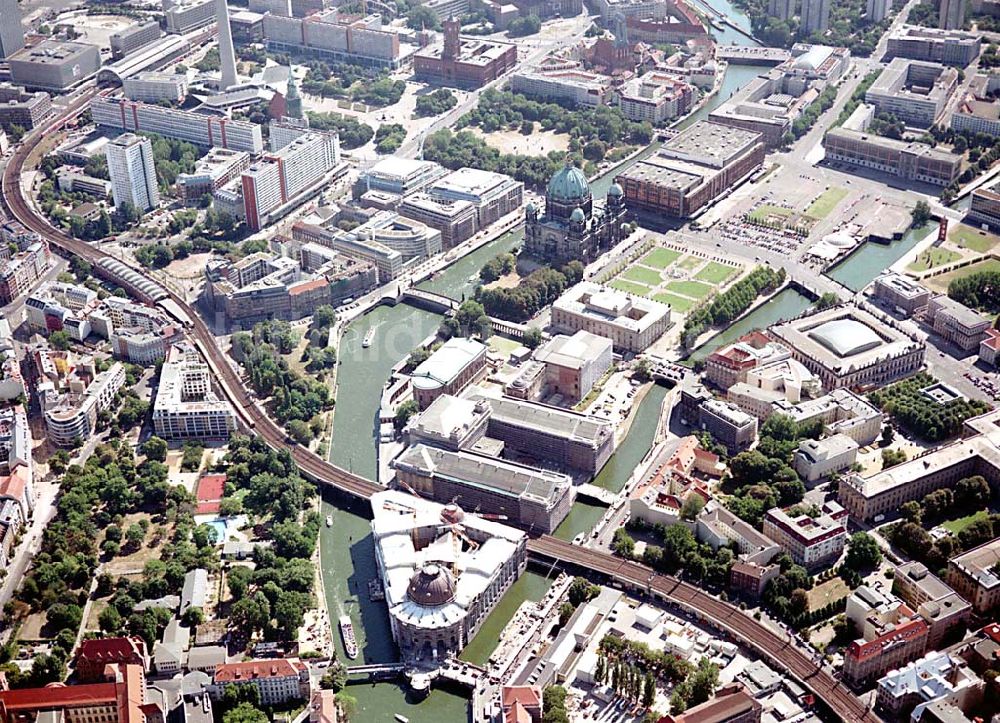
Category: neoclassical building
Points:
column 572, row 226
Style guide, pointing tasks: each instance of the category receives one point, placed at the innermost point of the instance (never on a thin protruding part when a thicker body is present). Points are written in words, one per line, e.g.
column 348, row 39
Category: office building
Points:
column 914, row 91
column 975, row 575
column 730, row 364
column 816, row 459
column 985, row 205
column 781, row 9
column 883, row 492
column 810, row 541
column 573, row 85
column 939, row 605
column 631, row 323
column 11, row 29
column 20, row 272
column 134, row 37
column 900, row 292
column 282, row 179
column 849, row 346
column 979, row 111
column 212, row 172
column 133, row 175
column 463, row 62
column 197, row 128
column 572, row 226
column 573, row 364
column 398, row 176
column 452, row 367
column 952, row 14
column 728, row 425
column 387, row 261
column 534, row 499
column 183, row 16
column 263, row 286
column 493, row 195
column 328, row 36
column 438, row 603
column 71, row 394
column 278, row 681
column 891, row 640
column 951, row 47
column 54, row 65
column 910, row 161
column 454, row 220
column 57, row 306
column 691, row 170
column 938, row 676
column 656, row 98
column 120, row 697
column 878, row 10
column 989, row 348
column 152, row 87
column 20, row 108
column 815, row 16
column 569, row 440
column 185, row 406
column 956, row 322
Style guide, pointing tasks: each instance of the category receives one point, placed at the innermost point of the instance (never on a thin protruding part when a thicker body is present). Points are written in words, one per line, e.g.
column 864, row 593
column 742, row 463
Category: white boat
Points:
column 329, row 520
column 369, row 338
column 347, row 634
column 402, row 718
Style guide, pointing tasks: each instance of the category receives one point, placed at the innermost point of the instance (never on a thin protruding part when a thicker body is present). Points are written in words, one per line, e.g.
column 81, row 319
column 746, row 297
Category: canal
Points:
column 860, row 268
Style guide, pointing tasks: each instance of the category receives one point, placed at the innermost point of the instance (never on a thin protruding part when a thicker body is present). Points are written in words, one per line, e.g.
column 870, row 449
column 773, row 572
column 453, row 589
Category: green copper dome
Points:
column 569, row 184
column 615, row 190
column 577, row 216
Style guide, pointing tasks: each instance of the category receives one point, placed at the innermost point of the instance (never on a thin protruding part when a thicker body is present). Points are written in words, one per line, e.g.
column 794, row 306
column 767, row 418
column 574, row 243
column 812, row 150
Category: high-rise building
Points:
column 878, row 10
column 815, row 16
column 133, row 174
column 227, row 56
column 11, row 30
column 952, row 15
column 781, row 9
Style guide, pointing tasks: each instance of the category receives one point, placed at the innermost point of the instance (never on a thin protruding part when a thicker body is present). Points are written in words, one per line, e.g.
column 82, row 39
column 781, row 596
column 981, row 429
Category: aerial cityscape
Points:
column 554, row 361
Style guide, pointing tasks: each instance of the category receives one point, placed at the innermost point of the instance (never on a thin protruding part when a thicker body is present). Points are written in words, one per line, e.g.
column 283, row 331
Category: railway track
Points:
column 723, row 615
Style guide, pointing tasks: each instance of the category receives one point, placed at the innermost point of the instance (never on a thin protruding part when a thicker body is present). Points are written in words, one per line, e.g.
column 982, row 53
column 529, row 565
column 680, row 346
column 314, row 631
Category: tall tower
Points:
column 133, row 174
column 11, row 29
column 227, row 56
column 781, row 9
column 952, row 15
column 293, row 101
column 452, row 43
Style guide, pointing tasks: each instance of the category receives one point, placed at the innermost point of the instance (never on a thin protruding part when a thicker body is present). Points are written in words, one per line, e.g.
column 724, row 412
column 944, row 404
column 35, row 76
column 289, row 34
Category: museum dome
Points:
column 569, row 184
column 846, row 337
column 432, row 585
column 616, row 190
column 578, row 216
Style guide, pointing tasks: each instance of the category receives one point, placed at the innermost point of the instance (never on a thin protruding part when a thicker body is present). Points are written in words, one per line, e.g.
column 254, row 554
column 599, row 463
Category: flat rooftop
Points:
column 711, row 143
column 547, row 420
column 52, row 52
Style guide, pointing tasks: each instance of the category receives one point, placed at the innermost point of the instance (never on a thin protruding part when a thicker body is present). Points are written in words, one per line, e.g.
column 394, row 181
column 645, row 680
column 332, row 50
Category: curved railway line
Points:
column 636, row 576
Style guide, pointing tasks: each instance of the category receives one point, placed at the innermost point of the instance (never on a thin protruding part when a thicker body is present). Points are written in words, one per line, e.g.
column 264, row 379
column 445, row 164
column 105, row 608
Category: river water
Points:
column 347, row 548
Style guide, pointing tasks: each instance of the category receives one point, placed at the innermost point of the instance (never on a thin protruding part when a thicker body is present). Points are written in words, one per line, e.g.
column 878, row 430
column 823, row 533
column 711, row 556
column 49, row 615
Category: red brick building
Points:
column 93, row 656
column 121, row 699
column 463, row 62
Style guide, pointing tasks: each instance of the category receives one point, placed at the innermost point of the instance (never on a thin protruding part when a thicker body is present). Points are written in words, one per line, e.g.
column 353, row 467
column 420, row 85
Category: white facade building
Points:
column 186, row 407
column 133, row 174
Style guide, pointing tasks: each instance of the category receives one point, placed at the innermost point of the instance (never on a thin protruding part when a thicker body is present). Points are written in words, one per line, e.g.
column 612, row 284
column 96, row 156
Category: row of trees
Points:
column 728, row 305
column 921, row 415
column 540, row 288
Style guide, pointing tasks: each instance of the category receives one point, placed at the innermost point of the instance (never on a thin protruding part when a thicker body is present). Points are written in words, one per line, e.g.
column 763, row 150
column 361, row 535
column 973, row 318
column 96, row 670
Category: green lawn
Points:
column 629, row 287
column 715, row 273
column 694, row 289
column 761, row 213
column 957, row 525
column 689, row 263
column 642, row 275
column 678, row 303
column 502, row 345
column 660, row 258
column 932, row 257
column 827, row 201
column 972, row 238
column 940, row 282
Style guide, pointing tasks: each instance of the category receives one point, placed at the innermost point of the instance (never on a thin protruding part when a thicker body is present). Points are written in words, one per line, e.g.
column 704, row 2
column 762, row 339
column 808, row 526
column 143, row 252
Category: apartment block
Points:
column 810, row 541
column 185, row 406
